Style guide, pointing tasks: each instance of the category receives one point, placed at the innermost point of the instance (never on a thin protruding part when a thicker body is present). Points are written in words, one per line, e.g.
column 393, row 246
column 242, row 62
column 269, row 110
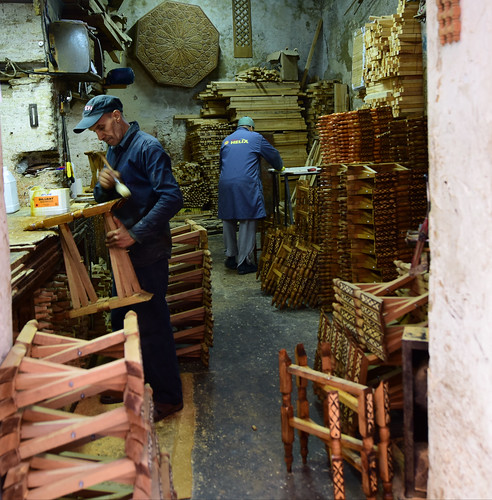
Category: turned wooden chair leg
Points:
column 385, row 459
column 302, row 402
column 286, row 411
column 332, row 416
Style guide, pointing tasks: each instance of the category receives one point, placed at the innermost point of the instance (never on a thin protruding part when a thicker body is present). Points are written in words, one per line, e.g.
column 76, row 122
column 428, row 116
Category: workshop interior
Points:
column 338, row 366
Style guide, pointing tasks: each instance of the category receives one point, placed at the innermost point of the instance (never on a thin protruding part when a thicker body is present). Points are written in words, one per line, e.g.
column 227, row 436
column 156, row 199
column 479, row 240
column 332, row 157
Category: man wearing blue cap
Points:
column 241, row 197
column 140, row 161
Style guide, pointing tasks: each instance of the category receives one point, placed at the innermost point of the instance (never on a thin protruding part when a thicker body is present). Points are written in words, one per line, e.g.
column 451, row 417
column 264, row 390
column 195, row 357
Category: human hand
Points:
column 106, row 178
column 119, row 237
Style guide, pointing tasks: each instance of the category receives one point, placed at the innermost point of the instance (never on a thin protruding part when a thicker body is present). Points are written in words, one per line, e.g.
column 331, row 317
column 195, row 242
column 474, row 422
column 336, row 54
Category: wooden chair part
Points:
column 36, row 432
column 358, row 452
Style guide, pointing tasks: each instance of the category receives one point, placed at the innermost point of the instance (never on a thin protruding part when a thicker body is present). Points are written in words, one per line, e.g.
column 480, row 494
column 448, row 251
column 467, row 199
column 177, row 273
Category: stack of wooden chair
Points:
column 365, row 444
column 189, row 293
column 40, row 438
column 365, row 334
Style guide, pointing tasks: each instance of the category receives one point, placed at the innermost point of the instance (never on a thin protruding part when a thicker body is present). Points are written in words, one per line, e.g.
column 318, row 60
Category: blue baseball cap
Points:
column 95, row 108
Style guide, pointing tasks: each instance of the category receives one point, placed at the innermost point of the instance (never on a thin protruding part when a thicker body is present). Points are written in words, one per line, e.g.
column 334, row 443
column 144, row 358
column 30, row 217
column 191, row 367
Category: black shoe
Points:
column 110, row 399
column 230, row 263
column 163, row 410
column 246, row 268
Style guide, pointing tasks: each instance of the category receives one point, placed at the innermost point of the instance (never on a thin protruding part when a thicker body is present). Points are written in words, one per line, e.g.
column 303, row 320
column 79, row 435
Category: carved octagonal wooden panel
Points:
column 177, row 44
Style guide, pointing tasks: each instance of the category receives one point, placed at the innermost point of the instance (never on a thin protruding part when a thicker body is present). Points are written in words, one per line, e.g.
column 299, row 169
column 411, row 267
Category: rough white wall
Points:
column 285, row 24
column 18, row 135
column 460, row 134
column 21, row 33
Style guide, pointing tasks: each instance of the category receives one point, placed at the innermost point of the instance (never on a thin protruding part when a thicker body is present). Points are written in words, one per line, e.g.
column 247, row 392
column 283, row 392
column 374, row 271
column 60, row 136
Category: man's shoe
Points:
column 110, row 399
column 230, row 263
column 163, row 410
column 246, row 268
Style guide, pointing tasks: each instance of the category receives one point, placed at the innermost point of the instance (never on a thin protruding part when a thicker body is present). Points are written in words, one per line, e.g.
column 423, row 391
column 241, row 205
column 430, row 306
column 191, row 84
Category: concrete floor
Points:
column 238, row 451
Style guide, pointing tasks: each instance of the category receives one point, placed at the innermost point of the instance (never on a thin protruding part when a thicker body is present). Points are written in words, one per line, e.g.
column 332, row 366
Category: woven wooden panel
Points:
column 241, row 13
column 177, row 44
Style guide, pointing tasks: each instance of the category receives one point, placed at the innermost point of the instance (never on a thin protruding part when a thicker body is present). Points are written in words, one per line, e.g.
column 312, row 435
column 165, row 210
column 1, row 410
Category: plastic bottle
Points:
column 10, row 194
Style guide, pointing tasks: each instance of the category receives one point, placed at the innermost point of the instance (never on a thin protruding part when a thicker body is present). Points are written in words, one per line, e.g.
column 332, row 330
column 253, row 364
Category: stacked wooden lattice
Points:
column 393, row 69
column 373, row 316
column 39, row 438
column 378, row 217
column 408, row 146
column 288, row 269
column 274, row 107
column 190, row 292
column 307, row 211
column 205, row 138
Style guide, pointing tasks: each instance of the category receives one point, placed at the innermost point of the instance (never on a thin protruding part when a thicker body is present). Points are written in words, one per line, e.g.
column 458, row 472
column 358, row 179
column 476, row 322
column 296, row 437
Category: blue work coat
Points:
column 240, row 189
column 146, row 170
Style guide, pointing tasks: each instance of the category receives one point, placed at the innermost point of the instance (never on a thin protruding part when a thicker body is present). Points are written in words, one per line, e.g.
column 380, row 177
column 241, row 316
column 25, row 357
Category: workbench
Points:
column 35, row 256
column 286, row 174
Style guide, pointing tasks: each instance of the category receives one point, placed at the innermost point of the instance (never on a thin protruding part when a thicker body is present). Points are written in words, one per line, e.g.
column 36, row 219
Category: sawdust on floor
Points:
column 175, row 434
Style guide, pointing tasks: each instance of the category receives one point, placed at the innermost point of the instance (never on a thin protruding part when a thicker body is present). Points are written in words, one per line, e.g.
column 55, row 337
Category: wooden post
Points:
column 286, row 411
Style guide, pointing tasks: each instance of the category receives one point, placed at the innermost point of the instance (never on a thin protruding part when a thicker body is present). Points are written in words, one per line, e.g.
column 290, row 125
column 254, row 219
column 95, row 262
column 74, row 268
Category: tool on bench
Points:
column 66, row 149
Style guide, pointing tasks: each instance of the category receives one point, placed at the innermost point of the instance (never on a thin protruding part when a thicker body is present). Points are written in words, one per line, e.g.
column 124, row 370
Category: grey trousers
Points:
column 241, row 247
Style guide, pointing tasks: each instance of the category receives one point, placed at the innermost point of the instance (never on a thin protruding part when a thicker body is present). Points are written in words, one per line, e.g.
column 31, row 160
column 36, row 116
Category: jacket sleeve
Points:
column 168, row 197
column 271, row 155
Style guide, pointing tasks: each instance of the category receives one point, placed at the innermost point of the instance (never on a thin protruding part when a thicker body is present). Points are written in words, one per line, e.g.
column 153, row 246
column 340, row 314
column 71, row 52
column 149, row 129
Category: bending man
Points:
column 241, row 197
column 143, row 228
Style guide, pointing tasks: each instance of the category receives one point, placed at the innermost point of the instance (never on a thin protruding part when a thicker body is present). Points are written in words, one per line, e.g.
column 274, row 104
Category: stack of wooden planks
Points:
column 189, row 293
column 323, row 98
column 393, row 69
column 40, row 439
column 204, row 137
column 194, row 188
column 274, row 107
column 257, row 74
column 355, row 136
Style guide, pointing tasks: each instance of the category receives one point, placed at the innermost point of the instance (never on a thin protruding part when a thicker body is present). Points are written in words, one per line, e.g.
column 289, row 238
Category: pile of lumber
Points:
column 40, row 439
column 204, row 138
column 194, row 187
column 189, row 294
column 257, row 74
column 393, row 63
column 323, row 98
column 355, row 136
column 274, row 107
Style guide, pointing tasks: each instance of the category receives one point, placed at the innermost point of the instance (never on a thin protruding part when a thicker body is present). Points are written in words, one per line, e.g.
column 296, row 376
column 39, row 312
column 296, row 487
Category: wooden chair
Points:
column 360, row 452
column 189, row 293
column 84, row 298
column 41, row 377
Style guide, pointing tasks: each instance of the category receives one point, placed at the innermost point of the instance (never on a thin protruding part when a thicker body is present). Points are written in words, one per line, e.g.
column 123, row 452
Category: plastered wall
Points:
column 460, row 140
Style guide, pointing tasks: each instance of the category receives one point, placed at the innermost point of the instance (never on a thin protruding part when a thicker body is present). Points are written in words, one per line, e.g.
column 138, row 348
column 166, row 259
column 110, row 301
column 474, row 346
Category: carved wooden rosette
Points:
column 177, row 44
